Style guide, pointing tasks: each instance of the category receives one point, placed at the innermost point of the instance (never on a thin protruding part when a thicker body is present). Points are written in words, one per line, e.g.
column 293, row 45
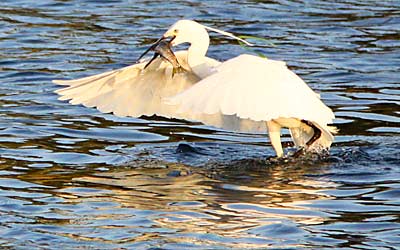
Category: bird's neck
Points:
column 197, row 56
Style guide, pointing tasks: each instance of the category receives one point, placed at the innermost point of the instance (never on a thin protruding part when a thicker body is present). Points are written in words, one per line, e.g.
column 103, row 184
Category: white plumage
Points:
column 246, row 93
column 254, row 88
column 130, row 91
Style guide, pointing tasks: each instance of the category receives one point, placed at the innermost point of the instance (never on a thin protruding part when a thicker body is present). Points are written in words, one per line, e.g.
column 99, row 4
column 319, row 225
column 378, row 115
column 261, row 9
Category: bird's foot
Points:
column 299, row 152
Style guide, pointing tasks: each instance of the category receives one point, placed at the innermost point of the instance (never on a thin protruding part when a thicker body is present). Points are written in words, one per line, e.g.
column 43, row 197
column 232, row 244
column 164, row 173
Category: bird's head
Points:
column 185, row 31
column 188, row 31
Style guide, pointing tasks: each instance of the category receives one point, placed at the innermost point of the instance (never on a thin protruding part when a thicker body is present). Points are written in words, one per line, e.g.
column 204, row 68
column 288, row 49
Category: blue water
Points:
column 73, row 178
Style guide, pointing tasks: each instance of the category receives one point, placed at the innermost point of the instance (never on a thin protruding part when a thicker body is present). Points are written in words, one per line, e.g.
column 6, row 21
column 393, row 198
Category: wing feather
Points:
column 129, row 91
column 254, row 88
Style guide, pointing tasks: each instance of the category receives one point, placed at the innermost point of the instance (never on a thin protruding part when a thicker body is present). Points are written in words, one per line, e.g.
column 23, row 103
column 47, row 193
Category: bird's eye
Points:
column 175, row 31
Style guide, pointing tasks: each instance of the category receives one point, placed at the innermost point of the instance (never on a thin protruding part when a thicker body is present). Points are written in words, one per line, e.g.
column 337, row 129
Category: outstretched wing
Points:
column 253, row 88
column 130, row 91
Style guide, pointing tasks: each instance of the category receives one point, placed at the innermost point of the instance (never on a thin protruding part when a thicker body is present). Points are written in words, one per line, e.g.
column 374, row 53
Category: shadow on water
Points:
column 71, row 177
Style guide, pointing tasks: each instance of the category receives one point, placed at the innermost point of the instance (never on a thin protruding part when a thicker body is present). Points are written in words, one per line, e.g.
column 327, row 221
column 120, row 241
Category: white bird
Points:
column 246, row 93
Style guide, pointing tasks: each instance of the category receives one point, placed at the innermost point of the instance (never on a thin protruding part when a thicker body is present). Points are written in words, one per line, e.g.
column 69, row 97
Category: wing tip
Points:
column 60, row 82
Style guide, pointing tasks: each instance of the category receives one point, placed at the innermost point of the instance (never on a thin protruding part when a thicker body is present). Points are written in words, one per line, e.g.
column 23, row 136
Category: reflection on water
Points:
column 74, row 178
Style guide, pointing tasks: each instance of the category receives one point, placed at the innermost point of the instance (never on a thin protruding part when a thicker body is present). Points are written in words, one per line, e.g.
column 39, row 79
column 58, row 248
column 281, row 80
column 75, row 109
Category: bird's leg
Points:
column 299, row 152
column 274, row 132
column 317, row 134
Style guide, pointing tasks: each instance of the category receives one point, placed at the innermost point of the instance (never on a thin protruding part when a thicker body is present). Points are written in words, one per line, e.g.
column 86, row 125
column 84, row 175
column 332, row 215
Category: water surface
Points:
column 73, row 178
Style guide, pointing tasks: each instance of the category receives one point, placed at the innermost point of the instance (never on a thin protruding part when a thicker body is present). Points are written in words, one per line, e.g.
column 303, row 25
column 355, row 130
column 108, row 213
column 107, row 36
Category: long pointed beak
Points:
column 150, row 48
column 153, row 46
column 152, row 59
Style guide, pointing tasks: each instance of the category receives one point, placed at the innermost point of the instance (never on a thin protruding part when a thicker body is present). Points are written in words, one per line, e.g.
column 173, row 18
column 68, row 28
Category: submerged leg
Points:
column 317, row 134
column 274, row 132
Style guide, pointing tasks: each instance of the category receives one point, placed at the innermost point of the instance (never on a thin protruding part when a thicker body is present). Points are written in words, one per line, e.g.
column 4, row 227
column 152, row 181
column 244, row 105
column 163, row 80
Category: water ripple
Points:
column 74, row 178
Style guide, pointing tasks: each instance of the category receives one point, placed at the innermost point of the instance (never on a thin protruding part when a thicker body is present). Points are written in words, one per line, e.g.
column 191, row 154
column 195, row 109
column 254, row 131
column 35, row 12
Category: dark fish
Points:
column 163, row 49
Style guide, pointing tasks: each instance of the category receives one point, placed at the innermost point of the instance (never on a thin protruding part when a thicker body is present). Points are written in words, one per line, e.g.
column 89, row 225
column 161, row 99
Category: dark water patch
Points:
column 23, row 74
column 74, row 178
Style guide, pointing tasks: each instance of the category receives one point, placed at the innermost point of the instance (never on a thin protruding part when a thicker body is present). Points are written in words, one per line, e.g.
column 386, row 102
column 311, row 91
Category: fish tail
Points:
column 178, row 70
